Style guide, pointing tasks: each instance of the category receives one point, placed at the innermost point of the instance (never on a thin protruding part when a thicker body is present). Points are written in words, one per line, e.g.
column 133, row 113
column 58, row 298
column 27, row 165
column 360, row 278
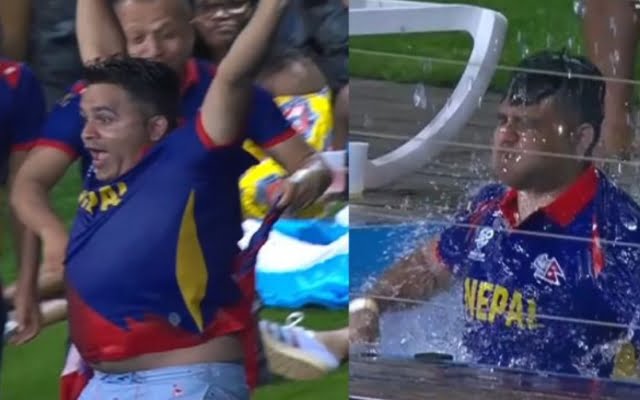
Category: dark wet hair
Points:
column 573, row 80
column 153, row 85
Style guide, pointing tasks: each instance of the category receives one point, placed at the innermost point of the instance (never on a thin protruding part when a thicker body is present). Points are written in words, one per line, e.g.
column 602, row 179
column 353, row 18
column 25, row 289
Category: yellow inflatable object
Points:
column 310, row 115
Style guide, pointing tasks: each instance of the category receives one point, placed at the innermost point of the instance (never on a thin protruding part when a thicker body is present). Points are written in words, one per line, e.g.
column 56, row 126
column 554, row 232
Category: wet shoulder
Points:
column 487, row 196
column 618, row 214
column 481, row 201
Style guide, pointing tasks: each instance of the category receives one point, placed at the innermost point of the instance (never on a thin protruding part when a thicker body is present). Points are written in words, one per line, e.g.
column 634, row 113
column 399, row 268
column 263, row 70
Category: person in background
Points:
column 319, row 28
column 22, row 113
column 610, row 31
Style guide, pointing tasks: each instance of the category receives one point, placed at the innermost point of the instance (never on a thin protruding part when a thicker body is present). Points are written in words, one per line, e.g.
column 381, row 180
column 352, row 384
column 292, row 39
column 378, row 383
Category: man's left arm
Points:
column 309, row 177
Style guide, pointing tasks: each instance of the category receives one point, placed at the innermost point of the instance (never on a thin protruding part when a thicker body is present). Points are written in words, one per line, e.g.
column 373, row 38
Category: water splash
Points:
column 613, row 26
column 426, row 66
column 616, row 56
column 628, row 219
column 420, row 96
column 367, row 122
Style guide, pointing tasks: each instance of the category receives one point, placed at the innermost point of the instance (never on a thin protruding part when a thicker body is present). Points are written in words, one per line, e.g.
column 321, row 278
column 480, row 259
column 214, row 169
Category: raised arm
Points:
column 98, row 31
column 227, row 102
column 15, row 21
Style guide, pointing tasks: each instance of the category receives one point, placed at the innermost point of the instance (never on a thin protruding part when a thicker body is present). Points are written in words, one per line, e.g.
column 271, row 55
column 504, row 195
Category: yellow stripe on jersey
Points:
column 310, row 115
column 191, row 269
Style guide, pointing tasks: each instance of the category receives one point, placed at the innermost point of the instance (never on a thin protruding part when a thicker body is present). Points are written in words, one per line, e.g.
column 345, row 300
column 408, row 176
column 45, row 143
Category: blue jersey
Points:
column 569, row 260
column 153, row 260
column 22, row 108
column 64, row 125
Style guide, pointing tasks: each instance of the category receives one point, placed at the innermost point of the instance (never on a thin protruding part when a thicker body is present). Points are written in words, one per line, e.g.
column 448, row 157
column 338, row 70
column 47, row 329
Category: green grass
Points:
column 533, row 25
column 31, row 372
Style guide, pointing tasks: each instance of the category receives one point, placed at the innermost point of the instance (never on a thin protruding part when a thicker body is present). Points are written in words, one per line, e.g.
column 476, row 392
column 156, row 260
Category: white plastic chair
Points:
column 487, row 28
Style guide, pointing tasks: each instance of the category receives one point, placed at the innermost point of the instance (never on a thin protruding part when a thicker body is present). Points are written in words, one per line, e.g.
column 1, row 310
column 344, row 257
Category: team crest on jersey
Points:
column 300, row 115
column 548, row 269
column 482, row 239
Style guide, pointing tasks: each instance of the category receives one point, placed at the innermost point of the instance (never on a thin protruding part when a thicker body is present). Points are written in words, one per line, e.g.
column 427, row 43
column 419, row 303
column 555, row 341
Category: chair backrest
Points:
column 488, row 30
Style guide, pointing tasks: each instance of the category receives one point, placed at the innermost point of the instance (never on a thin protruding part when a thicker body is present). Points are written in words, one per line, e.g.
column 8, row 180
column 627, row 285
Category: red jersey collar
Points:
column 566, row 207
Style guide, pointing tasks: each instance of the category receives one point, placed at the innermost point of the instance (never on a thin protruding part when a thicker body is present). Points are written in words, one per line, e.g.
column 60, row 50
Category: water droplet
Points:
column 367, row 121
column 525, row 51
column 549, row 40
column 616, row 56
column 420, row 96
column 628, row 220
column 560, row 129
column 570, row 43
column 519, row 37
column 426, row 66
column 518, row 158
column 480, row 102
column 613, row 26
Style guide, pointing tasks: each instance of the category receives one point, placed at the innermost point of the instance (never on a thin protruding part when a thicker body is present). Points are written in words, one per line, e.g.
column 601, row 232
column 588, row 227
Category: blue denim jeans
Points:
column 215, row 381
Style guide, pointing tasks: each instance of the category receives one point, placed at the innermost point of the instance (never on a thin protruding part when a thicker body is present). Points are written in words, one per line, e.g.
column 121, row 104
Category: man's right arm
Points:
column 46, row 164
column 44, row 167
column 417, row 276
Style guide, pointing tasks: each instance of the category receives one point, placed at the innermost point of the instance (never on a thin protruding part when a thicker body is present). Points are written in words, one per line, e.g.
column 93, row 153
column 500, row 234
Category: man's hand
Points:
column 291, row 195
column 27, row 314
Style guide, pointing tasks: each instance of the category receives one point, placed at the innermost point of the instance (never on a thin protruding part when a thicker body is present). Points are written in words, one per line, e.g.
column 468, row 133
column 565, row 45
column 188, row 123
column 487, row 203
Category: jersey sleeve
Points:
column 456, row 240
column 63, row 128
column 28, row 111
column 266, row 124
column 191, row 144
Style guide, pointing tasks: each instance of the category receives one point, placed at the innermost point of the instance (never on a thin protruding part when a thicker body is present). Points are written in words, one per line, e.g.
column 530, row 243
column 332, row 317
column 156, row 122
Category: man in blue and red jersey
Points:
column 556, row 240
column 165, row 206
column 159, row 30
column 22, row 112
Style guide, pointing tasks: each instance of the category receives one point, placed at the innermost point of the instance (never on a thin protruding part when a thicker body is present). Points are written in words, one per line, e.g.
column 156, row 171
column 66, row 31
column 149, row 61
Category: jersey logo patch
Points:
column 548, row 270
column 482, row 239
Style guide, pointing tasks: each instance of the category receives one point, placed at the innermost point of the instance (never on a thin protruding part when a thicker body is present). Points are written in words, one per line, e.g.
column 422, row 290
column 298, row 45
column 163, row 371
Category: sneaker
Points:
column 294, row 352
column 10, row 328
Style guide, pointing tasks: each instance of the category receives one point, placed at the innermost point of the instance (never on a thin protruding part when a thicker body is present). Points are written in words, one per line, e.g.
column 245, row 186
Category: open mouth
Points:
column 98, row 157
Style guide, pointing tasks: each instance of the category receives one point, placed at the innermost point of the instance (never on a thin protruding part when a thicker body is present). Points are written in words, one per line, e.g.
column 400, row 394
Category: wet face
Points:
column 159, row 30
column 116, row 130
column 523, row 132
column 219, row 22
